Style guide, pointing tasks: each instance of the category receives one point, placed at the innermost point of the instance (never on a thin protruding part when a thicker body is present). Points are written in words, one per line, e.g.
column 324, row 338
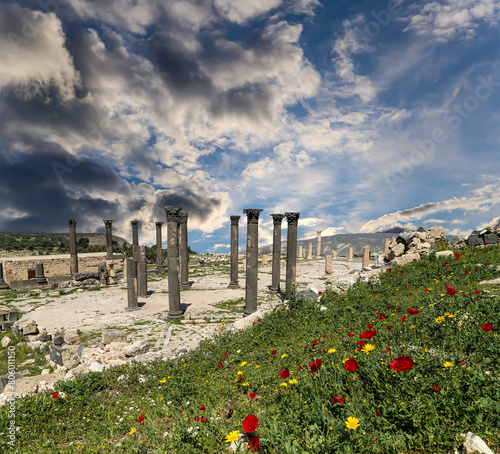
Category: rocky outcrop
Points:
column 487, row 235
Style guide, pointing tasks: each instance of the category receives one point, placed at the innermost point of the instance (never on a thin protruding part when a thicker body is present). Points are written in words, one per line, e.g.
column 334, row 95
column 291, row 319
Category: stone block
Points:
column 473, row 240
column 490, row 238
column 71, row 338
column 444, row 253
column 137, row 348
column 6, row 341
column 84, row 276
column 68, row 356
column 27, row 326
column 397, row 251
column 58, row 338
column 89, row 282
column 436, row 232
column 407, row 258
column 113, row 335
column 406, row 236
column 7, row 326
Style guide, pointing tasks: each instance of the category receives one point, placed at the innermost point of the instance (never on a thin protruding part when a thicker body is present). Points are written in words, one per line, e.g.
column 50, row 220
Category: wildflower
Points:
column 55, row 395
column 350, row 365
column 240, row 372
column 253, row 444
column 141, row 418
column 369, row 334
column 284, row 374
column 389, row 327
column 273, row 352
column 368, row 348
column 337, row 400
column 132, row 431
column 352, row 423
column 284, row 355
column 439, row 319
column 293, row 381
column 284, row 384
column 402, row 364
column 412, row 326
column 448, row 364
column 233, row 436
column 487, row 327
column 203, row 407
column 451, row 291
column 243, row 363
column 220, row 364
column 449, row 315
column 412, row 311
column 164, row 380
column 250, row 423
column 332, row 350
column 252, row 395
column 403, row 319
column 315, row 365
column 435, row 387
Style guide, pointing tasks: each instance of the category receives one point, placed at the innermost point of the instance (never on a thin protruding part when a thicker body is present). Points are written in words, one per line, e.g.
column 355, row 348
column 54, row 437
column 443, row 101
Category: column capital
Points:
column 135, row 222
column 72, row 223
column 252, row 215
column 319, row 232
column 235, row 220
column 172, row 213
column 158, row 224
column 183, row 218
column 108, row 222
column 292, row 218
column 277, row 218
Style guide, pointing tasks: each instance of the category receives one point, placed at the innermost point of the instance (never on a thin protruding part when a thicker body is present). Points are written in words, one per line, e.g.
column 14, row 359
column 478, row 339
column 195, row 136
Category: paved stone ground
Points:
column 92, row 311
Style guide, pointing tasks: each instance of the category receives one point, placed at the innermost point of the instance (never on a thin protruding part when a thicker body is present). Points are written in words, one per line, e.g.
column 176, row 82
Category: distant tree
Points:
column 82, row 244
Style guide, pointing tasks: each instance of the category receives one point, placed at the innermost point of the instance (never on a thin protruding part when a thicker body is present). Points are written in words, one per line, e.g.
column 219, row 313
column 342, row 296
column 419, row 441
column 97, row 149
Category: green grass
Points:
column 421, row 410
column 23, row 353
column 235, row 305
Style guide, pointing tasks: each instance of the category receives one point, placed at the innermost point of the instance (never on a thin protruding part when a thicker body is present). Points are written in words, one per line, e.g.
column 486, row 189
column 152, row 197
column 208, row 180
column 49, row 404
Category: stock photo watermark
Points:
column 11, row 400
column 459, row 112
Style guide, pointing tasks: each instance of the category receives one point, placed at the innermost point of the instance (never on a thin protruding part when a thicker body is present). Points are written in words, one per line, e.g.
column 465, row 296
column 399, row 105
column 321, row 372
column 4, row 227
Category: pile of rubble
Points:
column 104, row 276
column 488, row 235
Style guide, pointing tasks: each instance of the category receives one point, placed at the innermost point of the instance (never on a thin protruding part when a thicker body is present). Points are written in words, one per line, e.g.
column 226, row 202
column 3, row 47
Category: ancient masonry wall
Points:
column 16, row 269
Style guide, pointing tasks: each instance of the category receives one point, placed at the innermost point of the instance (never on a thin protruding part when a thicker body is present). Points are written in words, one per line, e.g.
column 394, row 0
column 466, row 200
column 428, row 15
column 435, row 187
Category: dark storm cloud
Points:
column 198, row 206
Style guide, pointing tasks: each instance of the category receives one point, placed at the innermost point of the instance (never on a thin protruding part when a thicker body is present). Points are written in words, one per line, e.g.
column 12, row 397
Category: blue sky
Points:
column 362, row 116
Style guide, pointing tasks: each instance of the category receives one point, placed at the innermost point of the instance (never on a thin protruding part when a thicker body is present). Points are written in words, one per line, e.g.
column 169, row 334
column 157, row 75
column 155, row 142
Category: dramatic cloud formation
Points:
column 361, row 118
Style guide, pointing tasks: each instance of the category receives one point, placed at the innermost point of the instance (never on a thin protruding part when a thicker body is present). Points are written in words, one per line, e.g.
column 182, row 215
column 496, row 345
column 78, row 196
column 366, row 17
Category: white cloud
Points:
column 33, row 54
column 240, row 11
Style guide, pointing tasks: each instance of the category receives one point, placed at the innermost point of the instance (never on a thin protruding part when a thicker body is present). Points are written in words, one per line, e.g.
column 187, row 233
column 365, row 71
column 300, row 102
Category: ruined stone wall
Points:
column 16, row 269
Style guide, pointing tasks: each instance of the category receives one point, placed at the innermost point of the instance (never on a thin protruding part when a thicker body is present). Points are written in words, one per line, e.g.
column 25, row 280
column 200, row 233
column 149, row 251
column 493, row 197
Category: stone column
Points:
column 350, row 254
column 131, row 266
column 252, row 260
column 300, row 252
column 291, row 251
column 244, row 263
column 310, row 251
column 135, row 239
column 109, row 239
column 365, row 266
column 40, row 275
column 334, row 255
column 73, row 253
column 393, row 239
column 387, row 241
column 174, row 294
column 265, row 259
column 159, row 256
column 318, row 244
column 183, row 249
column 328, row 265
column 275, row 285
column 142, row 273
column 233, row 282
column 3, row 284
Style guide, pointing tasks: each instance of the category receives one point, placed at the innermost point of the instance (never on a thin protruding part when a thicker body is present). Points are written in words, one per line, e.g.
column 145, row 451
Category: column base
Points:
column 247, row 313
column 174, row 315
column 132, row 308
column 185, row 285
column 275, row 290
column 233, row 285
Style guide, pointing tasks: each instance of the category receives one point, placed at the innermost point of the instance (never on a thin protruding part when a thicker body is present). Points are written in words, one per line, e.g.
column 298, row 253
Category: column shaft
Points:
column 233, row 283
column 252, row 260
column 159, row 255
column 174, row 295
column 109, row 239
column 135, row 239
column 133, row 304
column 183, row 249
column 277, row 219
column 291, row 252
column 73, row 253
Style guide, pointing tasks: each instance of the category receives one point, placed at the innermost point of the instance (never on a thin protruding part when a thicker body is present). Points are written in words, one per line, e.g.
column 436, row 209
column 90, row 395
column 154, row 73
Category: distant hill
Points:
column 341, row 243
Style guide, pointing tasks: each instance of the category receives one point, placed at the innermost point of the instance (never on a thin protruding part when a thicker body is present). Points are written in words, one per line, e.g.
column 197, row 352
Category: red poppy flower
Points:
column 398, row 309
column 220, row 364
column 284, row 374
column 180, row 411
column 466, row 272
column 324, row 335
column 196, row 418
column 370, row 325
column 203, row 419
column 320, row 293
column 252, row 395
column 475, row 271
column 435, row 387
column 250, row 423
column 300, row 367
column 141, row 418
column 315, row 365
column 253, row 323
column 412, row 311
column 253, row 444
column 402, row 271
column 259, row 320
column 389, row 327
column 477, row 291
column 273, row 352
column 445, row 263
column 369, row 334
column 56, row 394
column 403, row 319
column 170, row 416
column 388, row 349
column 361, row 343
column 451, row 291
column 240, row 378
column 487, row 327
column 378, row 413
column 351, row 365
column 381, row 316
column 337, row 400
column 315, row 342
column 203, row 407
column 388, row 270
column 402, row 364
column 225, row 353
column 350, row 334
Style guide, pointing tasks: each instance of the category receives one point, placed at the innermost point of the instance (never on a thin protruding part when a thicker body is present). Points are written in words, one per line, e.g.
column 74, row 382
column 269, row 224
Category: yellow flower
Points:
column 243, row 363
column 412, row 326
column 352, row 422
column 257, row 366
column 246, row 384
column 448, row 364
column 163, row 381
column 233, row 436
column 439, row 319
column 284, row 385
column 239, row 372
column 132, row 431
column 449, row 315
column 367, row 348
column 284, row 355
column 332, row 350
column 426, row 350
column 293, row 381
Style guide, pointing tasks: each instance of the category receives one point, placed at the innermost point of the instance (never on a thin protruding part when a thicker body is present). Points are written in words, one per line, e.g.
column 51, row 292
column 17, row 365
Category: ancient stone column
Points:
column 174, row 294
column 109, row 239
column 387, row 241
column 366, row 258
column 265, row 259
column 73, row 253
column 244, row 263
column 318, row 244
column 328, row 265
column 334, row 255
column 40, row 275
column 300, row 252
column 291, row 251
column 142, row 273
column 135, row 239
column 310, row 251
column 3, row 284
column 131, row 266
column 275, row 282
column 393, row 239
column 159, row 256
column 252, row 260
column 350, row 254
column 183, row 249
column 233, row 281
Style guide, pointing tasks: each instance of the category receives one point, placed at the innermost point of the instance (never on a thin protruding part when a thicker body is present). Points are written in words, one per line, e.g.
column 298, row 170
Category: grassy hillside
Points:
column 401, row 367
